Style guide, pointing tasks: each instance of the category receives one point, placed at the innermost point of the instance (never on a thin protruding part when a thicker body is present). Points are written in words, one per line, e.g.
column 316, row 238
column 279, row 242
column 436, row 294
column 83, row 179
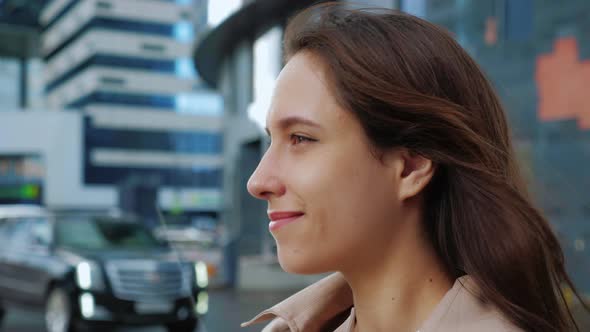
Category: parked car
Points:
column 91, row 272
column 201, row 231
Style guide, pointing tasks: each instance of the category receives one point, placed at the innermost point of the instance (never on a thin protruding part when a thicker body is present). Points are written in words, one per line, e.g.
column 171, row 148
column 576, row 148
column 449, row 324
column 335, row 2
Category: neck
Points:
column 397, row 289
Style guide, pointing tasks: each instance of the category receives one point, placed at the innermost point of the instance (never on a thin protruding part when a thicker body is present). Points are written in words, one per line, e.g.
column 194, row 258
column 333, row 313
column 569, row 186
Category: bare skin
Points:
column 351, row 211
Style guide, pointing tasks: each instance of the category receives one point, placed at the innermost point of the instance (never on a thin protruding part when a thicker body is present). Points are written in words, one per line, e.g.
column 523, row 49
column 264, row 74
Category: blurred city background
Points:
column 152, row 110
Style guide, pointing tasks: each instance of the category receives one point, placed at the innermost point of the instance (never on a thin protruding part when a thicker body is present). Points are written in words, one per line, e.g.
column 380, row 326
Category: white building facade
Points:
column 124, row 68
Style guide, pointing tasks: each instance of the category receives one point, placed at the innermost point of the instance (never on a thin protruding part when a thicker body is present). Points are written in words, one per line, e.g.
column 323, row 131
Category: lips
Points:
column 282, row 218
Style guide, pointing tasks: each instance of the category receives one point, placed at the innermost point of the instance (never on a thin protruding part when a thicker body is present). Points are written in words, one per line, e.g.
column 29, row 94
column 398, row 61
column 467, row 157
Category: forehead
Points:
column 302, row 90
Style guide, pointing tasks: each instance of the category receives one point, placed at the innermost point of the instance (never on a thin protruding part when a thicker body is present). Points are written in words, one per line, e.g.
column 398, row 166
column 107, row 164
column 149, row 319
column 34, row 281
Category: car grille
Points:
column 143, row 280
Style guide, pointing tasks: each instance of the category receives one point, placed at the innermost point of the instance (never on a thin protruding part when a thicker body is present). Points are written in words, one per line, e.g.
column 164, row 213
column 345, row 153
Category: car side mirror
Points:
column 41, row 244
column 39, row 241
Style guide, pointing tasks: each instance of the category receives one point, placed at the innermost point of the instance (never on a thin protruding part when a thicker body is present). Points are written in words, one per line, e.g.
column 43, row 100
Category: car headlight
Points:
column 201, row 275
column 89, row 276
column 202, row 305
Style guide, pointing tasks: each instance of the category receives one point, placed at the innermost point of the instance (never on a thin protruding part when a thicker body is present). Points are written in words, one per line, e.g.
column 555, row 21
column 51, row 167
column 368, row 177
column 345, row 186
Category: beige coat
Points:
column 326, row 306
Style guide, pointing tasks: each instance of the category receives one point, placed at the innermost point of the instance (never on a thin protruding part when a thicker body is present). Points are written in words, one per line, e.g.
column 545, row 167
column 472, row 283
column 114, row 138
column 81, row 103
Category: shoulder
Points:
column 468, row 313
column 461, row 310
column 491, row 322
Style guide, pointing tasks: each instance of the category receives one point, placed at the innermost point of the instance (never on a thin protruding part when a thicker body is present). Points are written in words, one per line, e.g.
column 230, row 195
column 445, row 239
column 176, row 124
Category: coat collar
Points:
column 324, row 303
column 327, row 306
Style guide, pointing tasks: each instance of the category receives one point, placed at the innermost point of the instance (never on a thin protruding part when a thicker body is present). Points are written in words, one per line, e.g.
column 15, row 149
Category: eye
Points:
column 298, row 139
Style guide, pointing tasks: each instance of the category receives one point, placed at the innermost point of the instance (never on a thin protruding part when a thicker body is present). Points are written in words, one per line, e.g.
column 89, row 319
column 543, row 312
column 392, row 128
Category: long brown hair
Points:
column 411, row 85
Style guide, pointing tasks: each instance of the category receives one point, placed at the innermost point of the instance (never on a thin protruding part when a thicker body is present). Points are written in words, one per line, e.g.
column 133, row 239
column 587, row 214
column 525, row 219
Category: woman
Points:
column 391, row 163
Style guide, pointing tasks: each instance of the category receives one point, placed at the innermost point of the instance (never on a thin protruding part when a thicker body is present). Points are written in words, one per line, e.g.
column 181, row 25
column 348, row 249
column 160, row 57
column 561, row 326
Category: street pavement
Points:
column 227, row 309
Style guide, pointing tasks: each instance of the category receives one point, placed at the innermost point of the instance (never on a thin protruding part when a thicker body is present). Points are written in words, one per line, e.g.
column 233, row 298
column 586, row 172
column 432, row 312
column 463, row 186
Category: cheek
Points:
column 350, row 190
column 347, row 208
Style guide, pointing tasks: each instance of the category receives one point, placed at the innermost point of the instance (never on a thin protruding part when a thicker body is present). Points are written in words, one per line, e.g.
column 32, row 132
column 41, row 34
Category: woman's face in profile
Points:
column 330, row 200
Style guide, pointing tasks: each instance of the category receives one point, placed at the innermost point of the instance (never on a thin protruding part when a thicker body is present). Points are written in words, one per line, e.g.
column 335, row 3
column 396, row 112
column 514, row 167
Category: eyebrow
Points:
column 291, row 121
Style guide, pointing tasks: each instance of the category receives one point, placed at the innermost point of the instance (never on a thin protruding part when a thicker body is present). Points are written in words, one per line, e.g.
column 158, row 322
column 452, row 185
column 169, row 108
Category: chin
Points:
column 295, row 262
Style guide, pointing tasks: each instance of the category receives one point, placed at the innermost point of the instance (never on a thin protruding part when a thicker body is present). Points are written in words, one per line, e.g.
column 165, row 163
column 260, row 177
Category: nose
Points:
column 265, row 182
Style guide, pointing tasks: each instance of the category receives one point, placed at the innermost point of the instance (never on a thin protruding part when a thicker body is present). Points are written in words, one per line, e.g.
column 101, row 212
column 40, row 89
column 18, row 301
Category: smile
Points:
column 280, row 219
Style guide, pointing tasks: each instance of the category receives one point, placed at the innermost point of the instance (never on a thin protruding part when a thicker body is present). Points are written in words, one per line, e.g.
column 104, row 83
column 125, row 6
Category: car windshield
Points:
column 103, row 233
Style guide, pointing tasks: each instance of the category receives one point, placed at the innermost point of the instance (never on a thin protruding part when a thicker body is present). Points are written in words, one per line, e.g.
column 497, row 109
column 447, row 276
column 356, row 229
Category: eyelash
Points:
column 300, row 139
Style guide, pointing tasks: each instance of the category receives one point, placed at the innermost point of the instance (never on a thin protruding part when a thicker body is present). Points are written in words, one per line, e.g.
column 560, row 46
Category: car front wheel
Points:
column 2, row 314
column 58, row 311
column 189, row 325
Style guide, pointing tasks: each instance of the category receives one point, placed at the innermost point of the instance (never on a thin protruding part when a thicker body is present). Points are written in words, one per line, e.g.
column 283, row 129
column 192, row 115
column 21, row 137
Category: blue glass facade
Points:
column 99, row 4
column 510, row 40
column 201, row 143
column 128, row 99
column 115, row 61
column 149, row 28
column 198, row 143
column 185, row 178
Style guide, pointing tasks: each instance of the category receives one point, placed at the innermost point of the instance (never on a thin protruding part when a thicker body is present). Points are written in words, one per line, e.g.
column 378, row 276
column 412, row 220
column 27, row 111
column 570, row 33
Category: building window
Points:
column 518, row 20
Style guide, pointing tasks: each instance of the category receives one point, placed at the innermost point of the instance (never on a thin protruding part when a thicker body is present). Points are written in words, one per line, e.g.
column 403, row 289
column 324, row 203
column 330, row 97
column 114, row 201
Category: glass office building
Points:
column 536, row 54
column 126, row 65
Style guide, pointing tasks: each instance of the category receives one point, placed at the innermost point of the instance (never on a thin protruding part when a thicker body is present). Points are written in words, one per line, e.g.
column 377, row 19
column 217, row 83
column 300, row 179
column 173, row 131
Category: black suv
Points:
column 88, row 272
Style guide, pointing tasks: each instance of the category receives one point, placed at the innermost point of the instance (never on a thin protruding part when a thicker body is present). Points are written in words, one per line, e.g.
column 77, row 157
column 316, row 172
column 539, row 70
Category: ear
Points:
column 413, row 172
